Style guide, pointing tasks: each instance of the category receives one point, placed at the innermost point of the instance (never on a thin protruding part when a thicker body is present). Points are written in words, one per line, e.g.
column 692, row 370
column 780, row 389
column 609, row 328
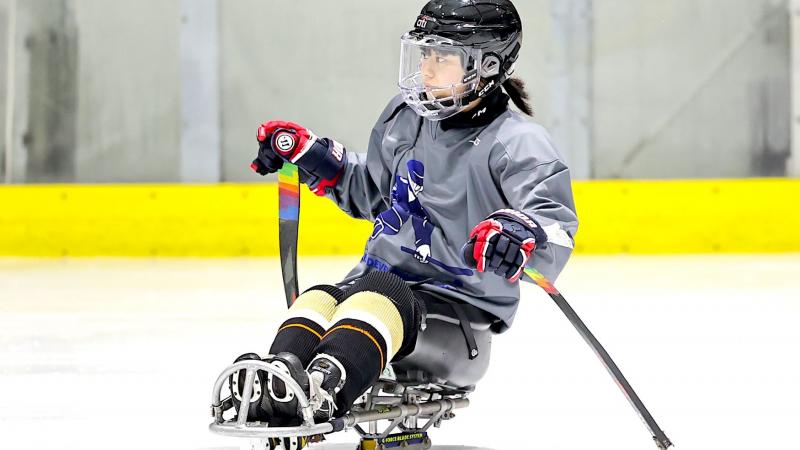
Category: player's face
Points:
column 441, row 69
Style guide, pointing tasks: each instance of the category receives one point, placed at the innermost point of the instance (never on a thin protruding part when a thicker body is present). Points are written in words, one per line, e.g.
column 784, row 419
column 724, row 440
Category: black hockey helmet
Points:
column 485, row 34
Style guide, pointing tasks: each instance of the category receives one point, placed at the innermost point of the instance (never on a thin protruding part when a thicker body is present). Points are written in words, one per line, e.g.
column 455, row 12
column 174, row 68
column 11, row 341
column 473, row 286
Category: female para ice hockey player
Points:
column 463, row 193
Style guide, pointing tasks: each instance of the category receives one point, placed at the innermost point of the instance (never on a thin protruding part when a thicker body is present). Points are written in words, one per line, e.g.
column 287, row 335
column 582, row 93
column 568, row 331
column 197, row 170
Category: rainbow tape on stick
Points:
column 543, row 282
column 288, row 189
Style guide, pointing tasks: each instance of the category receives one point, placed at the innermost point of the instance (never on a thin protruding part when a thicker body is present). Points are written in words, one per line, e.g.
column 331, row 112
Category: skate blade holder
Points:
column 241, row 428
column 410, row 402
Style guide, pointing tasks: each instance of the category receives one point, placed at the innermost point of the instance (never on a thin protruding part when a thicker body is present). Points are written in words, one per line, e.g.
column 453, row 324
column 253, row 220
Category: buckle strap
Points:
column 466, row 329
column 463, row 320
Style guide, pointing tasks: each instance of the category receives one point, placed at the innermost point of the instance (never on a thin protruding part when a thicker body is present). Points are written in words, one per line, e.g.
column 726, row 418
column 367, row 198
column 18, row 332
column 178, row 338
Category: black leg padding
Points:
column 300, row 336
column 407, row 303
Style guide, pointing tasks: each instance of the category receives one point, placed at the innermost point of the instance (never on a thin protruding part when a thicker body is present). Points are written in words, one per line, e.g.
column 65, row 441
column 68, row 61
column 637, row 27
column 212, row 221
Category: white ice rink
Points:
column 122, row 354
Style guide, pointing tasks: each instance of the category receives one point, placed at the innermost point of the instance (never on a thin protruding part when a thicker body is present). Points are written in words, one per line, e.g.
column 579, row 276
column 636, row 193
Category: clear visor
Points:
column 437, row 75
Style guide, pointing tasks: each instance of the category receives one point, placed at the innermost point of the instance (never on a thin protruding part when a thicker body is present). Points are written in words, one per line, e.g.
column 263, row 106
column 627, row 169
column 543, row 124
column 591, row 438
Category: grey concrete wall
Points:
column 3, row 79
column 52, row 50
column 683, row 88
column 26, row 21
column 97, row 87
column 331, row 66
column 794, row 160
column 129, row 95
column 690, row 88
column 201, row 150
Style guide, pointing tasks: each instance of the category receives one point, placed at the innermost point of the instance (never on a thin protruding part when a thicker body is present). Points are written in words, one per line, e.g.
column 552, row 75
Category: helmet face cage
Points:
column 438, row 76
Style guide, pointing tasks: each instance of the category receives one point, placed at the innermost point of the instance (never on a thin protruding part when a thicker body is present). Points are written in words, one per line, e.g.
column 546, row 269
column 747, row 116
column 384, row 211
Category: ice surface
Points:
column 122, row 354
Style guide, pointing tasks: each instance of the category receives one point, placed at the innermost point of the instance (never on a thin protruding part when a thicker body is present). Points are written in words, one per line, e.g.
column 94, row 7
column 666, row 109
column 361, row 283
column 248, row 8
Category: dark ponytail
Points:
column 515, row 88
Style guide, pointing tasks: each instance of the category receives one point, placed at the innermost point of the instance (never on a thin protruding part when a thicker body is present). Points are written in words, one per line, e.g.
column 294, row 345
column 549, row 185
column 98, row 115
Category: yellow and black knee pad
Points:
column 377, row 322
column 385, row 303
column 309, row 318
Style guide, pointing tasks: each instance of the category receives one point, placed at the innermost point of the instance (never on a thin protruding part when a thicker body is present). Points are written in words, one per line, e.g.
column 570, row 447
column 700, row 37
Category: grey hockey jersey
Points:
column 425, row 188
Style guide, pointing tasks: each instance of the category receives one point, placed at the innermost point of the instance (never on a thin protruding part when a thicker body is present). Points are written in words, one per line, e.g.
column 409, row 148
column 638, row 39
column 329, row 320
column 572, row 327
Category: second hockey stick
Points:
column 661, row 439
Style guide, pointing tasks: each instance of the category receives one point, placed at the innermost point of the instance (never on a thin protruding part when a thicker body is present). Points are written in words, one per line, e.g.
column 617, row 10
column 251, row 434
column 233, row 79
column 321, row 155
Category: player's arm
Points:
column 358, row 191
column 364, row 189
column 351, row 180
column 545, row 195
column 538, row 227
column 321, row 160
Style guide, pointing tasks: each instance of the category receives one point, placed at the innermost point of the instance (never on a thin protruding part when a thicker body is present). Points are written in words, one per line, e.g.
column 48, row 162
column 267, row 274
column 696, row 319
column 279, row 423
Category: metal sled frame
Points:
column 431, row 402
column 389, row 400
column 240, row 427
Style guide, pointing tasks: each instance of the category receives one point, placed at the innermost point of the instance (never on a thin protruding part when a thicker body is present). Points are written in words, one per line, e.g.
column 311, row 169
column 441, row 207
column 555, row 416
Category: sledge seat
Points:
column 452, row 348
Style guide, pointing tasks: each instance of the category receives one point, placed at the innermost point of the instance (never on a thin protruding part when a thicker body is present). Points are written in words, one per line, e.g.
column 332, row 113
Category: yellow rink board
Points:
column 655, row 217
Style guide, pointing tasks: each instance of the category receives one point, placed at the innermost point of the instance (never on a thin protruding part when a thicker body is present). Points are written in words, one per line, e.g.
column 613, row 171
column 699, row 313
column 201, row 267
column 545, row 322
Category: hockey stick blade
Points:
column 288, row 225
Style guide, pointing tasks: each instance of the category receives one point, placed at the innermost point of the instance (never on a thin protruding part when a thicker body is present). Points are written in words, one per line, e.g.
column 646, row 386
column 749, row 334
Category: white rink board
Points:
column 93, row 353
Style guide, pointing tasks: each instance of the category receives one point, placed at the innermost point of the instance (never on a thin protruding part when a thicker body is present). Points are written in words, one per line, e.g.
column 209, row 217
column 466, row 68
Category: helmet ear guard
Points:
column 490, row 66
column 496, row 70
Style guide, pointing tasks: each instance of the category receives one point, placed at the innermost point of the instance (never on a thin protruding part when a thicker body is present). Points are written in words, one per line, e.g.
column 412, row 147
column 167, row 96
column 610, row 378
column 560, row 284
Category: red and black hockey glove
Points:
column 503, row 243
column 321, row 160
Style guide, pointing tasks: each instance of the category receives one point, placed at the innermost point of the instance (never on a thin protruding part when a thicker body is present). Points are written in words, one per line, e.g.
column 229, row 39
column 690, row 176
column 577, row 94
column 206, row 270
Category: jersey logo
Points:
column 476, row 142
column 406, row 207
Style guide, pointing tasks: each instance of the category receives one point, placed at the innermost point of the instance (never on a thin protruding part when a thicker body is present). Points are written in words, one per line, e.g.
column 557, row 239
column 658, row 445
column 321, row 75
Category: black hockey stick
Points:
column 436, row 262
column 662, row 441
column 288, row 224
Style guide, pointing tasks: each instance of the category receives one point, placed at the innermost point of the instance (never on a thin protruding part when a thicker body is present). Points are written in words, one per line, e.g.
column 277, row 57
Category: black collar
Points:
column 487, row 110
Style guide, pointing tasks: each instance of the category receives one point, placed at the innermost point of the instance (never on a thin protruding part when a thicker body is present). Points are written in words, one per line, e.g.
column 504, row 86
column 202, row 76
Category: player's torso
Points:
column 443, row 178
column 459, row 187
